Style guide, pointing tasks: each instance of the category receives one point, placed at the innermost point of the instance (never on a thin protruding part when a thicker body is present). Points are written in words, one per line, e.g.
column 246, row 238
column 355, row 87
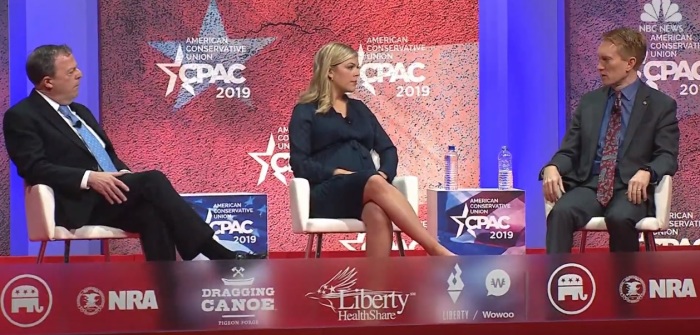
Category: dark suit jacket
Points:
column 47, row 151
column 651, row 140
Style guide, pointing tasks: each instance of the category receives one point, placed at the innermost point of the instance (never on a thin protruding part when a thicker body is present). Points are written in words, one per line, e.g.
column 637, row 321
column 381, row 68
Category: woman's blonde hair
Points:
column 319, row 90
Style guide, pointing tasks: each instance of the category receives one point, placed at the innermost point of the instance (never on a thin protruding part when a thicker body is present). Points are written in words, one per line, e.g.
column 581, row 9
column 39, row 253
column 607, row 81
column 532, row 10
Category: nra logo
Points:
column 671, row 288
column 91, row 300
column 633, row 289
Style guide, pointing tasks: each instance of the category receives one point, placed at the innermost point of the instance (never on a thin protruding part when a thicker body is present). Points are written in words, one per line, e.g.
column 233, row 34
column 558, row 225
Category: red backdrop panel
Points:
column 204, row 143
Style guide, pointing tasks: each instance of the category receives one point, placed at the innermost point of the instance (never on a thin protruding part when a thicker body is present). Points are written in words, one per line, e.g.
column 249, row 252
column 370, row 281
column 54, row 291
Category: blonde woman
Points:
column 331, row 136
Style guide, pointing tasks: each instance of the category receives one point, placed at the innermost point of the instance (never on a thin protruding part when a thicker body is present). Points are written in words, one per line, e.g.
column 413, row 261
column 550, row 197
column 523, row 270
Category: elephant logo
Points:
column 26, row 301
column 571, row 289
column 571, row 286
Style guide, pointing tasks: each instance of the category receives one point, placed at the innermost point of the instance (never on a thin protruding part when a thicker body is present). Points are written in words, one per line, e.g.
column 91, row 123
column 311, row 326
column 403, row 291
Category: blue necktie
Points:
column 90, row 140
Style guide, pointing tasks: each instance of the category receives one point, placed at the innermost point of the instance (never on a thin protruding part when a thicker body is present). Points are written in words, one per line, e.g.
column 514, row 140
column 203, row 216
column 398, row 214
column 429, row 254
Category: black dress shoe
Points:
column 248, row 255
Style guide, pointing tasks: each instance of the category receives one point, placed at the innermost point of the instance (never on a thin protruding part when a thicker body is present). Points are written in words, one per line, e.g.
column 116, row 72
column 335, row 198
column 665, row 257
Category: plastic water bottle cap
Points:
column 451, row 147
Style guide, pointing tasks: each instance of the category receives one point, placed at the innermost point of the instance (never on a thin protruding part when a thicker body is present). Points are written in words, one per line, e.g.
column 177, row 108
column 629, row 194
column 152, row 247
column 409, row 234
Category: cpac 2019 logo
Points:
column 377, row 66
column 194, row 74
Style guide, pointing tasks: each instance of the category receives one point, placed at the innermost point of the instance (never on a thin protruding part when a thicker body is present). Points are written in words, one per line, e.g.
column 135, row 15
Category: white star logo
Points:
column 173, row 76
column 264, row 165
column 460, row 220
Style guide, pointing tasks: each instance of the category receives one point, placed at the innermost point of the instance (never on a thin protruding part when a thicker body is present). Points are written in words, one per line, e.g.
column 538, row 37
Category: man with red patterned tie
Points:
column 622, row 139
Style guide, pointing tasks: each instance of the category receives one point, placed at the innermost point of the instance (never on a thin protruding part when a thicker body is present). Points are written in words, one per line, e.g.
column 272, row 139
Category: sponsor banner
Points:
column 269, row 294
column 144, row 297
column 605, row 286
column 239, row 220
column 671, row 65
column 479, row 289
column 478, row 221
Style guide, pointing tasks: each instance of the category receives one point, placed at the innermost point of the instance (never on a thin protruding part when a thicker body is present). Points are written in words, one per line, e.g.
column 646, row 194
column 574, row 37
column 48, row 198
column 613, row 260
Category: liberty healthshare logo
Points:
column 26, row 301
column 378, row 66
column 275, row 157
column 211, row 58
column 351, row 303
column 571, row 289
column 240, row 301
column 667, row 35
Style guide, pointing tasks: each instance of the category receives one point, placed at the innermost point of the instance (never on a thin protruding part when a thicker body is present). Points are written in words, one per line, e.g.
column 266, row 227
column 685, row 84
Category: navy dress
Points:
column 321, row 143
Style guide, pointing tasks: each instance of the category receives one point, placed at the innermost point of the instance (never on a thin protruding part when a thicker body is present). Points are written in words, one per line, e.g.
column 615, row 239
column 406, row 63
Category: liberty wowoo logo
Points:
column 351, row 303
column 455, row 285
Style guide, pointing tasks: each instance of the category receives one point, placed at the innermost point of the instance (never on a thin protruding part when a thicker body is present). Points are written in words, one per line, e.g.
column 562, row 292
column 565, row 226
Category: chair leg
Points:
column 649, row 241
column 66, row 251
column 582, row 247
column 105, row 249
column 42, row 251
column 319, row 242
column 399, row 242
column 309, row 245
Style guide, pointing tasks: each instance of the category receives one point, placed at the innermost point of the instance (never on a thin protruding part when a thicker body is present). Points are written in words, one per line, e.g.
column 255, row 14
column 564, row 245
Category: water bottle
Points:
column 451, row 168
column 505, row 169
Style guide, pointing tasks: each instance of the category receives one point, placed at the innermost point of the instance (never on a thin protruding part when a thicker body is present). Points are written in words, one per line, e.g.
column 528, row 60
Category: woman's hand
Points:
column 341, row 171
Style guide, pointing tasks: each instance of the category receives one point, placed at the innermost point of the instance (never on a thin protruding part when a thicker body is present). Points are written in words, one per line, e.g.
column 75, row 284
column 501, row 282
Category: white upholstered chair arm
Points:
column 40, row 208
column 548, row 207
column 408, row 186
column 662, row 201
column 299, row 202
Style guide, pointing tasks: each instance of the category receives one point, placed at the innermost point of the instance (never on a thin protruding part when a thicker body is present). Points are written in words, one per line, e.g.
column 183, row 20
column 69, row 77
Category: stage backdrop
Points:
column 4, row 158
column 222, row 127
column 672, row 65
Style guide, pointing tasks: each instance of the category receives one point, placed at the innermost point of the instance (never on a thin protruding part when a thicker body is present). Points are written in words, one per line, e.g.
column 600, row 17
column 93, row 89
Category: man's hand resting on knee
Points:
column 637, row 187
column 552, row 185
column 107, row 184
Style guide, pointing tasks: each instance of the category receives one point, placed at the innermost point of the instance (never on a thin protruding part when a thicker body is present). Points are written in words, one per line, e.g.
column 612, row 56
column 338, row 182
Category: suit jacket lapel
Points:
column 56, row 120
column 638, row 110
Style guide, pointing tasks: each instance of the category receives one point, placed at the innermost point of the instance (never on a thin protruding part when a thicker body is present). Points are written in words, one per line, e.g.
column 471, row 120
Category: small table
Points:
column 239, row 220
column 478, row 221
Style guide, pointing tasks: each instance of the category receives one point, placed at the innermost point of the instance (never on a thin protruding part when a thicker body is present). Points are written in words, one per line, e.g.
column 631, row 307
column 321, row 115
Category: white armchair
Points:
column 647, row 226
column 300, row 193
column 41, row 225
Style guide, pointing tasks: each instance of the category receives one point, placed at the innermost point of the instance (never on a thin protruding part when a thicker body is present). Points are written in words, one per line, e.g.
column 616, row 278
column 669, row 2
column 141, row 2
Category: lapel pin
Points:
column 644, row 102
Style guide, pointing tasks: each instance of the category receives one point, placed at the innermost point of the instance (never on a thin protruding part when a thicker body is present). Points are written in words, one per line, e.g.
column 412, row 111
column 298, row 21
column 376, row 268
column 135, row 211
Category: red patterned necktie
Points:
column 606, row 179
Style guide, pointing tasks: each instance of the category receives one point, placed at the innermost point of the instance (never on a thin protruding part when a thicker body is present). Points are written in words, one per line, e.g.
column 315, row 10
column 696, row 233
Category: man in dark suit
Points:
column 622, row 139
column 57, row 142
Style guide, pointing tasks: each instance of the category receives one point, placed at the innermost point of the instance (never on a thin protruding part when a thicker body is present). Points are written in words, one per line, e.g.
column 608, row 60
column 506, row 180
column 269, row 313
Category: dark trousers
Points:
column 156, row 211
column 578, row 205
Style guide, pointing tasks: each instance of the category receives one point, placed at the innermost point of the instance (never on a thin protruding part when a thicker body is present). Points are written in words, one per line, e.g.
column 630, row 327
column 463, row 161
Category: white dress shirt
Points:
column 55, row 105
